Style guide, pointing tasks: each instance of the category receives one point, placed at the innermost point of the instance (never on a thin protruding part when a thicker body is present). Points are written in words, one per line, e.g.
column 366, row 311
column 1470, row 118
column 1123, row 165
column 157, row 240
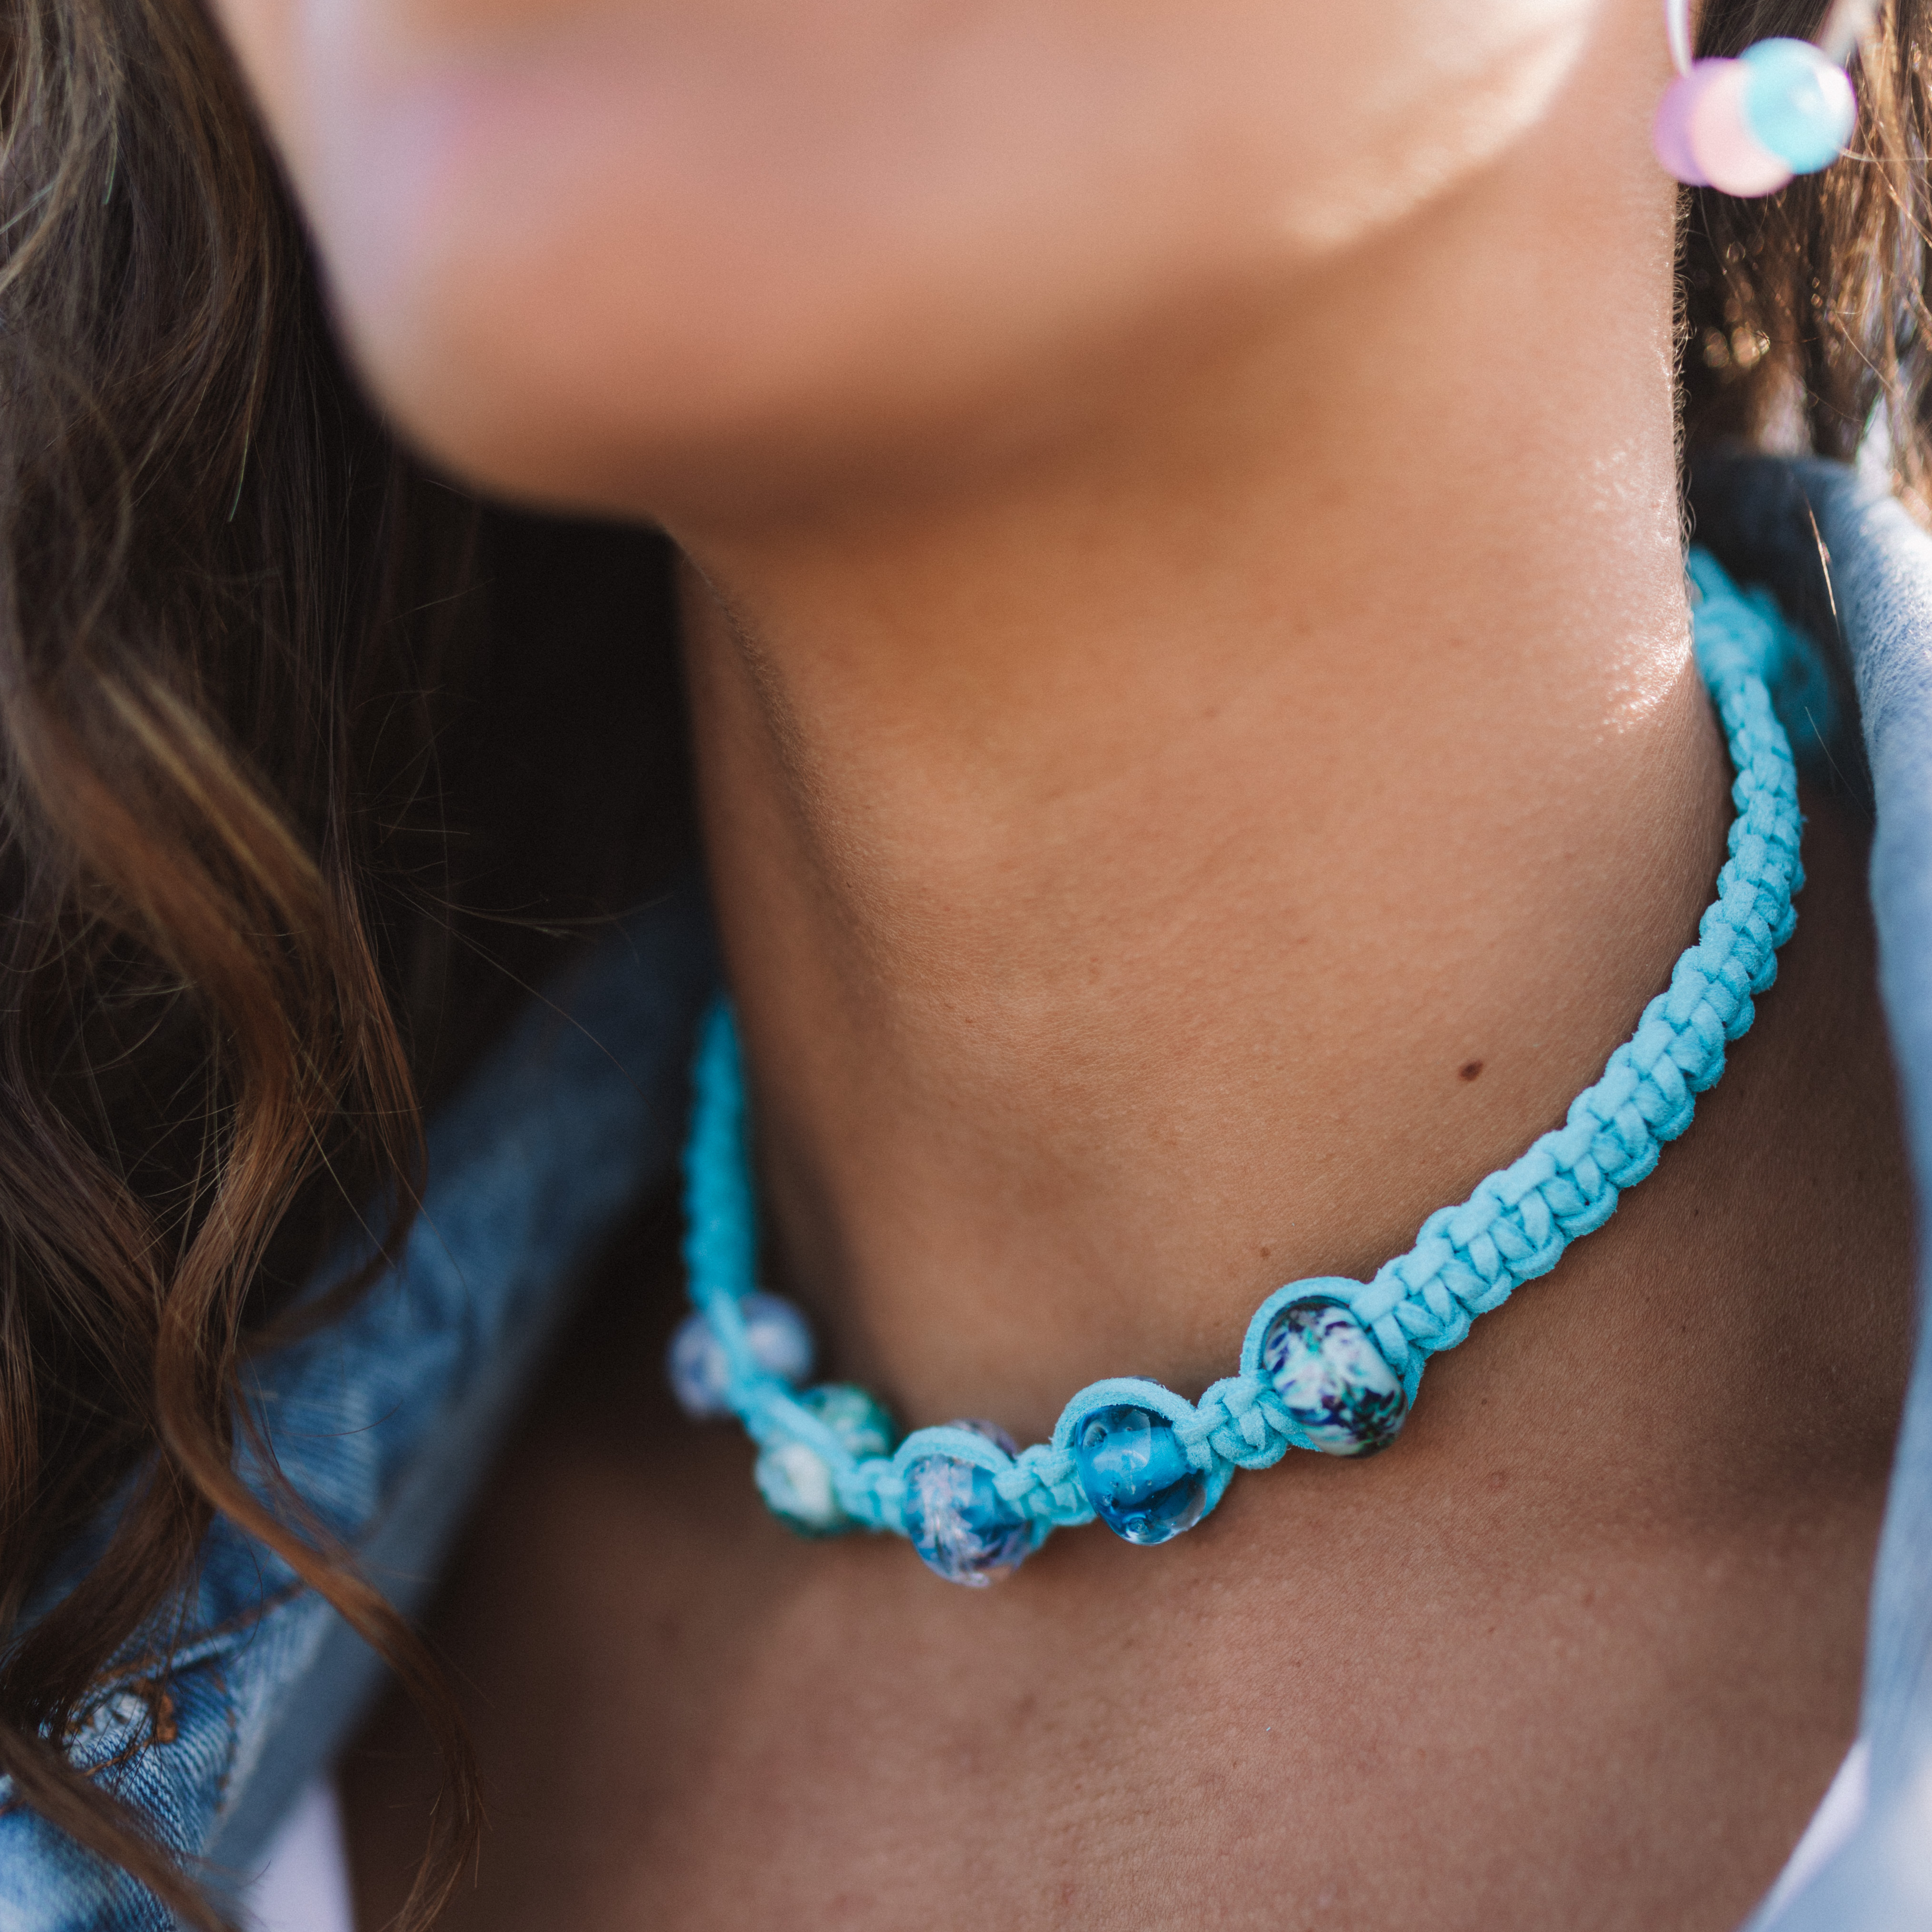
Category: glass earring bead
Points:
column 1670, row 132
column 961, row 1526
column 1332, row 1379
column 796, row 1481
column 1733, row 159
column 1137, row 1475
column 1797, row 101
column 700, row 1371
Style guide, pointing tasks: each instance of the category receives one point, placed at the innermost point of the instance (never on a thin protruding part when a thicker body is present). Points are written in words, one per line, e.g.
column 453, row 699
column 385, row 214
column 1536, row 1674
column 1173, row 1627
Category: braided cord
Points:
column 1516, row 1226
column 1467, row 1258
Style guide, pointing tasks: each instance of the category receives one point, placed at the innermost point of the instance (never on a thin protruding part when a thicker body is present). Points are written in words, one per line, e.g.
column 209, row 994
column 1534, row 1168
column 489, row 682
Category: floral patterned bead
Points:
column 1137, row 1475
column 796, row 1481
column 958, row 1522
column 1332, row 1379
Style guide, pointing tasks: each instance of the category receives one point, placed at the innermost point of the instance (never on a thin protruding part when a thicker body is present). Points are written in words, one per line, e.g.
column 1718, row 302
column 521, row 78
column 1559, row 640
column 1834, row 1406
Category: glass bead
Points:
column 958, row 1522
column 1798, row 102
column 1732, row 158
column 859, row 1420
column 700, row 1374
column 1670, row 132
column 1332, row 1379
column 1136, row 1474
column 796, row 1481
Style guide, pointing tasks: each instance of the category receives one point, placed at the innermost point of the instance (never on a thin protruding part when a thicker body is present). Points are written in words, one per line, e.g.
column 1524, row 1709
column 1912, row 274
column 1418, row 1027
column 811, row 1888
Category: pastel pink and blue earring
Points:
column 1783, row 107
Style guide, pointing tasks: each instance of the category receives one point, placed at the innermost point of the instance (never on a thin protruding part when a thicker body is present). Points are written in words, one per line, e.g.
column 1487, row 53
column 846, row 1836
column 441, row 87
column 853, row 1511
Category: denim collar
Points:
column 1841, row 551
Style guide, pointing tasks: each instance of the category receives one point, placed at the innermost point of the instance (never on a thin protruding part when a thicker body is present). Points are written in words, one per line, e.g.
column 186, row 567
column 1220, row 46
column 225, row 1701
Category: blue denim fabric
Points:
column 1879, row 566
column 385, row 1421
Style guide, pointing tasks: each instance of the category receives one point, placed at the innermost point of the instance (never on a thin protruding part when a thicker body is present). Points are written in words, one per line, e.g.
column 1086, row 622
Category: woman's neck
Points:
column 1172, row 861
column 1177, row 860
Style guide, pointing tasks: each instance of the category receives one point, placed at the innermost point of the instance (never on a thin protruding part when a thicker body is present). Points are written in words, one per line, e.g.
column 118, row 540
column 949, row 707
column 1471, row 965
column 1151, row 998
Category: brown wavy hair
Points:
column 252, row 909
column 279, row 835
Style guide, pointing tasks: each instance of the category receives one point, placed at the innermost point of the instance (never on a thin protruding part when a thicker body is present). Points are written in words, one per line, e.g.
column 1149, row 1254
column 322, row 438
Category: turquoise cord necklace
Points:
column 1328, row 1364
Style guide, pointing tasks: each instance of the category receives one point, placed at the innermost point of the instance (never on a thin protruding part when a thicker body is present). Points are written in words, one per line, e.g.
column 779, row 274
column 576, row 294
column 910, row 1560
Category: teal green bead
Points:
column 859, row 1421
column 1799, row 103
column 796, row 1481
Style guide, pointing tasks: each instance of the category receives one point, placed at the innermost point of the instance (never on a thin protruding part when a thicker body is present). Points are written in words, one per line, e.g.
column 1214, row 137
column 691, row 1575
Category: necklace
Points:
column 1328, row 1364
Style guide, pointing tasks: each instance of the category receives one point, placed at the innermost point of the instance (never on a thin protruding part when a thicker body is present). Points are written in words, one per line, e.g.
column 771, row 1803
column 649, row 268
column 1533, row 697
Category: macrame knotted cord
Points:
column 1467, row 1258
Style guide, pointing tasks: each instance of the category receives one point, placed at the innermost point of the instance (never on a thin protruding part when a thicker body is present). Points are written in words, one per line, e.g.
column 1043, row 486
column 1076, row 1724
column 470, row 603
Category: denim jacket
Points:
column 386, row 1420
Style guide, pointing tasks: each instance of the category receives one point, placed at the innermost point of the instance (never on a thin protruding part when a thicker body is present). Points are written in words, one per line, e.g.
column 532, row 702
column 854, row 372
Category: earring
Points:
column 1783, row 107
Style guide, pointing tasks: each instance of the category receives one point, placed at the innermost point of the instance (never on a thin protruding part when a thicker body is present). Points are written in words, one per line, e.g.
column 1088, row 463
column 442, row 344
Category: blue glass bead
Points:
column 700, row 1376
column 1798, row 102
column 796, row 1481
column 958, row 1522
column 1137, row 1475
column 1332, row 1379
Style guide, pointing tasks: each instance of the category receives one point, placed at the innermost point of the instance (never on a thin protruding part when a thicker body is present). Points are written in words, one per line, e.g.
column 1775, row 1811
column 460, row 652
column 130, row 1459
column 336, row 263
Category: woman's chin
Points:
column 603, row 265
column 686, row 369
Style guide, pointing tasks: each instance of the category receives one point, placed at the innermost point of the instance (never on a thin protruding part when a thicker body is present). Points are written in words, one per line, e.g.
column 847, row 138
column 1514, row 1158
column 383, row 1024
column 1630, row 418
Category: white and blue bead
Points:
column 1335, row 1384
column 701, row 1369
